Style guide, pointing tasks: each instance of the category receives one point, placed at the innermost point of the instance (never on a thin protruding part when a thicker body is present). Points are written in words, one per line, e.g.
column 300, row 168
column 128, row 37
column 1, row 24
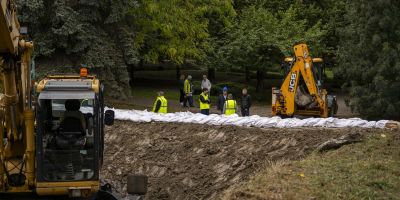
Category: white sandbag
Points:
column 235, row 120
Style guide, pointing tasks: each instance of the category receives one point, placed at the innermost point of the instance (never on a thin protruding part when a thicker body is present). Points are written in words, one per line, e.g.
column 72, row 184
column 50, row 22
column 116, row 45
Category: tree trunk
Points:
column 211, row 74
column 260, row 80
column 247, row 74
column 178, row 72
column 131, row 70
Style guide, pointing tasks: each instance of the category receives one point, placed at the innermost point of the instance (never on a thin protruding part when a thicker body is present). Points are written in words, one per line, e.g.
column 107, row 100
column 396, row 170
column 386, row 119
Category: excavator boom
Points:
column 9, row 28
column 301, row 93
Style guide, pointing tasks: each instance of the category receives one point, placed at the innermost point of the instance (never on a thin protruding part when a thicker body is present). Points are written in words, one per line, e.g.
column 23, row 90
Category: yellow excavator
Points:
column 52, row 134
column 301, row 92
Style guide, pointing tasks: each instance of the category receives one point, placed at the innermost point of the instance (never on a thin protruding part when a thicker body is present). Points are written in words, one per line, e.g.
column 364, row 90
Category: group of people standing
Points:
column 226, row 104
column 186, row 89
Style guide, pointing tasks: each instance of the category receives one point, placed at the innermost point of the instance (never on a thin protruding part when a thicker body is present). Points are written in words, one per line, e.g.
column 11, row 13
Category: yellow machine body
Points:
column 20, row 154
column 284, row 98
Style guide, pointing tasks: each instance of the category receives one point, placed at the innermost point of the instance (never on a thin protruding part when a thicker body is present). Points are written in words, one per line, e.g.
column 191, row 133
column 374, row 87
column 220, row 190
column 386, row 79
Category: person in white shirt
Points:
column 205, row 83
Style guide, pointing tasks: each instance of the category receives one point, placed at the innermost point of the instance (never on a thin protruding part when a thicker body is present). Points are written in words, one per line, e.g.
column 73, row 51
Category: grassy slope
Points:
column 367, row 170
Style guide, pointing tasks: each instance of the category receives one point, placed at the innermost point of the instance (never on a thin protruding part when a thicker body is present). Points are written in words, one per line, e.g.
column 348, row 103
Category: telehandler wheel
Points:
column 137, row 184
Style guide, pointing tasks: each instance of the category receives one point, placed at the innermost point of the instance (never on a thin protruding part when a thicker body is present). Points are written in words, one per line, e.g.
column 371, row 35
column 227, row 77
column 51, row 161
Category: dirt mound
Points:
column 189, row 161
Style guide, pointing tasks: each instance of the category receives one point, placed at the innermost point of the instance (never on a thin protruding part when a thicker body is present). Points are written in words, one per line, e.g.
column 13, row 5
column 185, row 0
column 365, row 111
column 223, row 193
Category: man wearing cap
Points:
column 221, row 99
column 161, row 104
column 188, row 90
column 205, row 102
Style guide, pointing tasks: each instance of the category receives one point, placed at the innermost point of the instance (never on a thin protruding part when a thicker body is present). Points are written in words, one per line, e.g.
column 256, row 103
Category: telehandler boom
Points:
column 301, row 92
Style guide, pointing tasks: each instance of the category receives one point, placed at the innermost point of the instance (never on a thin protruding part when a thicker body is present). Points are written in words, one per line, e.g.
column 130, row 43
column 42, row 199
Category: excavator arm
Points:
column 284, row 99
column 17, row 154
column 9, row 26
column 306, row 67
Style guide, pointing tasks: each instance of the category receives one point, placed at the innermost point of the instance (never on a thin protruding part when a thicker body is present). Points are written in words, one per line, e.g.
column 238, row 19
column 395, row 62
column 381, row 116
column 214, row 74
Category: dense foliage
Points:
column 261, row 38
column 369, row 57
column 359, row 38
column 69, row 34
column 177, row 30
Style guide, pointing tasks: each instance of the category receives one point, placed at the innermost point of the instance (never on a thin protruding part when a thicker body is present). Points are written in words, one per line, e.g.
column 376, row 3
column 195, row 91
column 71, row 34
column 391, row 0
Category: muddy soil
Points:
column 189, row 161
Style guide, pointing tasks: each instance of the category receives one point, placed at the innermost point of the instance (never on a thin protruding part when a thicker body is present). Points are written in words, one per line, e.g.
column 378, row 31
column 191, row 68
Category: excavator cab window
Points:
column 318, row 70
column 67, row 132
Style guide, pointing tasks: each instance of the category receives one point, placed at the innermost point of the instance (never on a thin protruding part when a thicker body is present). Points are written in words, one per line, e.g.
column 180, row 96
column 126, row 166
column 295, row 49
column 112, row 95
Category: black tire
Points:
column 137, row 184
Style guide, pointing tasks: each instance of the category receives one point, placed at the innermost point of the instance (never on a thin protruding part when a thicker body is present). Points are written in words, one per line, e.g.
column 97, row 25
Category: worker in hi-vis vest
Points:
column 188, row 90
column 205, row 102
column 161, row 104
column 230, row 106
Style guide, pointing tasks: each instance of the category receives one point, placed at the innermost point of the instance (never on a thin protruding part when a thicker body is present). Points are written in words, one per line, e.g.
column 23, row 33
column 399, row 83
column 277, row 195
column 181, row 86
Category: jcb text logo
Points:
column 292, row 82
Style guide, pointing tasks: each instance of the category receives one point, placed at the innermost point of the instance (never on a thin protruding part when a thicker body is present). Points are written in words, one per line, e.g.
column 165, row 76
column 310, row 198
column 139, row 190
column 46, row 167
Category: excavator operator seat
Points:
column 72, row 131
column 72, row 107
column 72, row 125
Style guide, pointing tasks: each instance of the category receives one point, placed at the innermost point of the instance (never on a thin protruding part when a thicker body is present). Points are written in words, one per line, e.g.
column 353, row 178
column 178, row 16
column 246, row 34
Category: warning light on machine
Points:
column 83, row 72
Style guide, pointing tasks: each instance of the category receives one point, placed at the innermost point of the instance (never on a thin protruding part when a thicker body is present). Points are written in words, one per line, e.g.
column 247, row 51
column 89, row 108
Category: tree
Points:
column 261, row 38
column 178, row 30
column 369, row 52
column 221, row 17
column 69, row 34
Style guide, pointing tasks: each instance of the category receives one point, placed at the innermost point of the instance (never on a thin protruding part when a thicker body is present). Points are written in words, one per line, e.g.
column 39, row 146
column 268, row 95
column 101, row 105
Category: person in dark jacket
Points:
column 245, row 103
column 221, row 99
column 181, row 86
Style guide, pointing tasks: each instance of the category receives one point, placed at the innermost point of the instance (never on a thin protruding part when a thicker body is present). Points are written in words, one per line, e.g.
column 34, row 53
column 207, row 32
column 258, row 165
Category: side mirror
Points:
column 109, row 117
column 137, row 185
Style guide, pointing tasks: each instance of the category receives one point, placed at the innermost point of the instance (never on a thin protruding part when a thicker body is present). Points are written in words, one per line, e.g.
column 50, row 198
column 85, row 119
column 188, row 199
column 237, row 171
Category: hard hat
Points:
column 225, row 89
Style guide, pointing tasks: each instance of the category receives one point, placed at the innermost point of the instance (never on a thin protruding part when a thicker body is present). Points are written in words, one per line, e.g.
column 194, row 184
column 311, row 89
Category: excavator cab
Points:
column 318, row 69
column 68, row 139
column 70, row 119
column 69, row 133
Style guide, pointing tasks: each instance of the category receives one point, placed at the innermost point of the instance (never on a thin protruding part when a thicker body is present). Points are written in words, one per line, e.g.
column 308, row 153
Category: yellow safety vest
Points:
column 186, row 87
column 204, row 106
column 164, row 105
column 230, row 107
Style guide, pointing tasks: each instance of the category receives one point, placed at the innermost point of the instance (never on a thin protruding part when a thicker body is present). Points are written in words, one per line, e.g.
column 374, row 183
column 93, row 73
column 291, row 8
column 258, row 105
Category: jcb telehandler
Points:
column 51, row 143
column 301, row 92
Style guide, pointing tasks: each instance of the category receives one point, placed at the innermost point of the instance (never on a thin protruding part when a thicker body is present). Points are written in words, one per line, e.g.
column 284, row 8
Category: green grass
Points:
column 367, row 170
column 329, row 74
column 152, row 93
